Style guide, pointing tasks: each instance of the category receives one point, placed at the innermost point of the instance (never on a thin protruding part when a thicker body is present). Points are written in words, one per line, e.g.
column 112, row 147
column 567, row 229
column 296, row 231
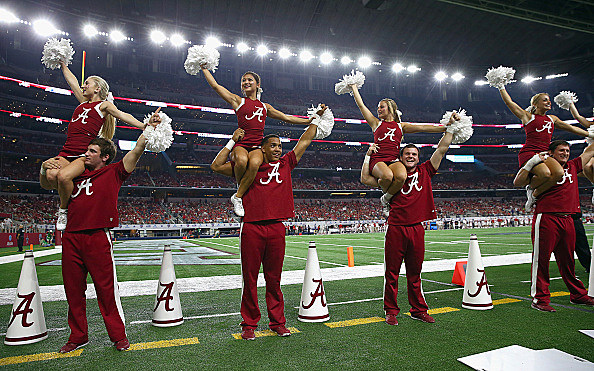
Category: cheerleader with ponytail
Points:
column 95, row 115
column 539, row 131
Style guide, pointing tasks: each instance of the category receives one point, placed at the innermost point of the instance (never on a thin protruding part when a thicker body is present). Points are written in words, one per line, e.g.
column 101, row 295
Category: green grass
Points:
column 412, row 345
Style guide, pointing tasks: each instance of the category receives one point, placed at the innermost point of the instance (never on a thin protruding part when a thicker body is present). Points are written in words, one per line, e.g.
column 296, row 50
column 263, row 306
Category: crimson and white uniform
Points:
column 85, row 125
column 539, row 132
column 87, row 248
column 251, row 117
column 268, row 201
column 405, row 238
column 387, row 136
column 553, row 232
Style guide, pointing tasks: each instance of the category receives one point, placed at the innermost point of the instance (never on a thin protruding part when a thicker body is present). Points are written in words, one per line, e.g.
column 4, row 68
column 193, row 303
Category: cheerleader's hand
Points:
column 238, row 135
column 321, row 112
column 155, row 118
column 373, row 148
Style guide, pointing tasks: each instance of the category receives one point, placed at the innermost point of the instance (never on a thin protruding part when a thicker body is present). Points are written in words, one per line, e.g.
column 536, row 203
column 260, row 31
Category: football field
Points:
column 354, row 337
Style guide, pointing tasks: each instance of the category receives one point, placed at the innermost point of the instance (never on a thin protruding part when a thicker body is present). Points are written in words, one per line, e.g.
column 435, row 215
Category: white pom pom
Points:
column 591, row 132
column 325, row 123
column 159, row 138
column 462, row 128
column 199, row 55
column 500, row 76
column 355, row 78
column 565, row 98
column 55, row 51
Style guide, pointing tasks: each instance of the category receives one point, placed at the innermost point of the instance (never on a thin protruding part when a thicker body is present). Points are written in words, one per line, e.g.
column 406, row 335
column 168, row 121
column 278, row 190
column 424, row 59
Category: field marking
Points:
column 163, row 344
column 505, row 301
column 262, row 333
column 36, row 254
column 333, row 244
column 193, row 317
column 550, row 279
column 38, row 357
column 439, row 310
column 559, row 293
column 354, row 322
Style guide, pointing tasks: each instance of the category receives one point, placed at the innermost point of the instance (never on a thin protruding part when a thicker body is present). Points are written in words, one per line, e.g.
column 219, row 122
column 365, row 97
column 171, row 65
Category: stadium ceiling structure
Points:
column 463, row 34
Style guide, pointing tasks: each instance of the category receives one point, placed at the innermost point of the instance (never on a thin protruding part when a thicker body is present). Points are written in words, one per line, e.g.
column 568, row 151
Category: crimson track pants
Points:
column 553, row 234
column 408, row 243
column 91, row 252
column 262, row 244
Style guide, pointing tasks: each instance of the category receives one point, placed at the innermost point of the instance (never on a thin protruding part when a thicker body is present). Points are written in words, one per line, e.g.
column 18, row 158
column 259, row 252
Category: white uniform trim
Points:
column 241, row 265
column 535, row 253
column 378, row 125
column 531, row 119
column 98, row 109
column 116, row 288
column 240, row 104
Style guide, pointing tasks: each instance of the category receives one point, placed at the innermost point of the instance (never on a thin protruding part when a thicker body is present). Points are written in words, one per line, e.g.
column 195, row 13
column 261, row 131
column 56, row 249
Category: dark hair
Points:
column 556, row 143
column 410, row 145
column 266, row 138
column 107, row 148
column 256, row 76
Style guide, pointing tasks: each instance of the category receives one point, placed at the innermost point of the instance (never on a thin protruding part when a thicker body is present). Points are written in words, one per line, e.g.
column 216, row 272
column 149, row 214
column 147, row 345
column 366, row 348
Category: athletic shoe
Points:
column 62, row 215
column 391, row 319
column 70, row 346
column 531, row 200
column 282, row 331
column 543, row 307
column 237, row 205
column 423, row 317
column 385, row 207
column 123, row 344
column 587, row 300
column 248, row 334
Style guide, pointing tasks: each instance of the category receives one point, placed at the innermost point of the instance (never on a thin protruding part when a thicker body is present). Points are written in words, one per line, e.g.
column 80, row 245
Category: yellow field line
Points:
column 439, row 310
column 353, row 322
column 267, row 333
column 38, row 357
column 164, row 344
column 505, row 301
column 559, row 293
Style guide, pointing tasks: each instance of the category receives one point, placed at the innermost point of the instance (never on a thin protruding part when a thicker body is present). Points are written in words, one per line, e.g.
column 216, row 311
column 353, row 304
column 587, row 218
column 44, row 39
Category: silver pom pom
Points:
column 55, row 51
column 462, row 129
column 500, row 76
column 565, row 98
column 355, row 78
column 199, row 55
column 325, row 123
column 158, row 138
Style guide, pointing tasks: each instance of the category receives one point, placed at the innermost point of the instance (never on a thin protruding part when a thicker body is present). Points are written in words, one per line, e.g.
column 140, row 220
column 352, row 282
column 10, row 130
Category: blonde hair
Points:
column 534, row 100
column 392, row 108
column 108, row 128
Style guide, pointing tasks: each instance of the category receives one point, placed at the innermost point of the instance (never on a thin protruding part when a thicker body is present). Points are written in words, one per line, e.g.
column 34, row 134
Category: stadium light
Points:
column 158, row 37
column 177, row 40
column 397, row 67
column 262, row 50
column 44, row 28
column 440, row 76
column 364, row 62
column 548, row 77
column 345, row 60
column 480, row 82
column 305, row 56
column 117, row 36
column 530, row 79
column 213, row 42
column 90, row 31
column 284, row 53
column 242, row 47
column 326, row 58
column 412, row 68
column 7, row 17
column 458, row 76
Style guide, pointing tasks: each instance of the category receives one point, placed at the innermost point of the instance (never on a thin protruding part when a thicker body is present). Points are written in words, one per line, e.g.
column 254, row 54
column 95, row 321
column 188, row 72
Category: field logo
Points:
column 166, row 296
column 27, row 301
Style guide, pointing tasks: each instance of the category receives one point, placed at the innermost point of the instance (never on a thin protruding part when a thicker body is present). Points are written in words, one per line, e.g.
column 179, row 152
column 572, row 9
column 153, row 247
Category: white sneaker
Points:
column 531, row 200
column 385, row 207
column 62, row 215
column 237, row 205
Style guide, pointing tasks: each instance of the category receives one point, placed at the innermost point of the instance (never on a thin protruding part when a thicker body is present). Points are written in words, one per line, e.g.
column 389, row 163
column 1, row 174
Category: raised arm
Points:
column 278, row 115
column 576, row 115
column 131, row 158
column 587, row 156
column 372, row 121
column 444, row 144
column 518, row 111
column 233, row 99
column 108, row 107
column 419, row 128
column 73, row 83
column 560, row 124
column 367, row 178
column 220, row 164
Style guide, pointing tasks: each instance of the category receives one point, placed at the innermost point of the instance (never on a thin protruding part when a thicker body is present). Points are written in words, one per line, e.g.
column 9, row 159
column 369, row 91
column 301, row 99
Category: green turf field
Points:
column 212, row 316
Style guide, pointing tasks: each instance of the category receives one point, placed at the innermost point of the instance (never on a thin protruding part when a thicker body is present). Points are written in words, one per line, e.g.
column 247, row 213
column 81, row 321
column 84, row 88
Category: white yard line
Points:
column 36, row 254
